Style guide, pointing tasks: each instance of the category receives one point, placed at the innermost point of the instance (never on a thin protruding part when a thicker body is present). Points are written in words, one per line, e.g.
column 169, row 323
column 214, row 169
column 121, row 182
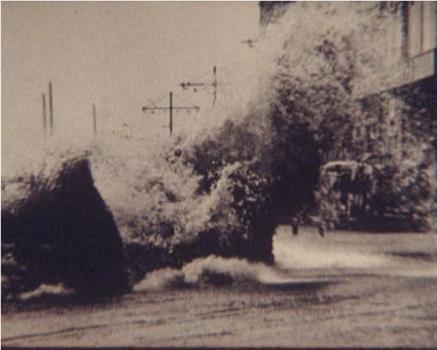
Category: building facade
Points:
column 404, row 125
column 411, row 46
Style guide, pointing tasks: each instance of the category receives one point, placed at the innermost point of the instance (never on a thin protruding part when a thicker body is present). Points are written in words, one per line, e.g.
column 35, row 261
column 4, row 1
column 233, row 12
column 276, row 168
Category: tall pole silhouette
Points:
column 51, row 109
column 171, row 113
column 94, row 120
column 44, row 116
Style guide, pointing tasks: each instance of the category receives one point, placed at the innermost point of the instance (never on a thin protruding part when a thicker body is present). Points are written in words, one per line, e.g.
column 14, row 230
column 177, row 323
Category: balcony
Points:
column 416, row 68
column 404, row 73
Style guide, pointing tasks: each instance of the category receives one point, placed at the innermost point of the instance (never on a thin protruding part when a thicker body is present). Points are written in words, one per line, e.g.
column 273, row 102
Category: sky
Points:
column 119, row 56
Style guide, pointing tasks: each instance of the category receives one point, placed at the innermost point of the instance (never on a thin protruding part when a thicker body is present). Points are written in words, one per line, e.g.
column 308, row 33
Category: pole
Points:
column 171, row 113
column 94, row 120
column 214, row 84
column 195, row 85
column 170, row 108
column 44, row 116
column 51, row 108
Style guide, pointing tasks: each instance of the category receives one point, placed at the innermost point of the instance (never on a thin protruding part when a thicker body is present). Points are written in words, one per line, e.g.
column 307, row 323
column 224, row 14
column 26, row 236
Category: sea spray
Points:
column 46, row 291
column 224, row 188
column 212, row 271
column 302, row 253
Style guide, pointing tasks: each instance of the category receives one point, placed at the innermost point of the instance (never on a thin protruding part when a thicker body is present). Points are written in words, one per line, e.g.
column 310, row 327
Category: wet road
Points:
column 344, row 290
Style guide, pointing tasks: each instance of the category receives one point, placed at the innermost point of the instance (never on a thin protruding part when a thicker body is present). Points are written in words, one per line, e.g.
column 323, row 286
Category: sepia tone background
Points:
column 117, row 55
column 253, row 174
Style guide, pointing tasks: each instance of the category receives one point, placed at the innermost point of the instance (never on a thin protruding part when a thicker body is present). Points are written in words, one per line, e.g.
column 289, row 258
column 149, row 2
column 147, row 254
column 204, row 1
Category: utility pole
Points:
column 51, row 109
column 94, row 120
column 194, row 85
column 170, row 108
column 44, row 116
column 171, row 113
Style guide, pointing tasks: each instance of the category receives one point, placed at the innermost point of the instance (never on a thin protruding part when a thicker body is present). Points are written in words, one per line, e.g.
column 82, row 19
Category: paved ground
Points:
column 358, row 290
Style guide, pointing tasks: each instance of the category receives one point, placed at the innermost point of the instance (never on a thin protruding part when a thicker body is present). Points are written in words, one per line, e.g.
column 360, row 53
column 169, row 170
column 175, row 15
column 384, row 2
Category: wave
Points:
column 302, row 254
column 46, row 291
column 212, row 271
column 354, row 253
column 300, row 262
column 223, row 189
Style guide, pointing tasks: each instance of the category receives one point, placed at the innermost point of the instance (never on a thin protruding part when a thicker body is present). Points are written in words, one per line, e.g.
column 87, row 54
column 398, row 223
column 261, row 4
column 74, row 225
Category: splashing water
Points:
column 309, row 251
column 261, row 148
column 305, row 260
column 45, row 290
column 407, row 255
column 258, row 154
column 304, row 255
column 217, row 271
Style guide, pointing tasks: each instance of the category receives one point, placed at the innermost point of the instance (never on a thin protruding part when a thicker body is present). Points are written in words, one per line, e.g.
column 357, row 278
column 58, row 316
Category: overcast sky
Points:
column 117, row 55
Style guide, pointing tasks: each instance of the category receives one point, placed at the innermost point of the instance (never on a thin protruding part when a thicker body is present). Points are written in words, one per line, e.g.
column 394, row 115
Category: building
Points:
column 412, row 47
column 405, row 126
column 411, row 43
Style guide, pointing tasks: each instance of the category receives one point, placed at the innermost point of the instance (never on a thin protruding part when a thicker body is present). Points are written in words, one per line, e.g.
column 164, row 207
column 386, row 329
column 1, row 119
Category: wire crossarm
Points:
column 189, row 84
column 196, row 108
column 170, row 108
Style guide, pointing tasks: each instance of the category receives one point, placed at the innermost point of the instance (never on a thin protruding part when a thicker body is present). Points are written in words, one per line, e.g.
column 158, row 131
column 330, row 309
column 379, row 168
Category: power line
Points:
column 195, row 85
column 249, row 42
column 170, row 108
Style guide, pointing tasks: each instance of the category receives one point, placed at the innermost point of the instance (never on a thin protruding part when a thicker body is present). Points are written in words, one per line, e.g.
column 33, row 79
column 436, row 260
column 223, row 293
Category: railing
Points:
column 417, row 68
column 407, row 72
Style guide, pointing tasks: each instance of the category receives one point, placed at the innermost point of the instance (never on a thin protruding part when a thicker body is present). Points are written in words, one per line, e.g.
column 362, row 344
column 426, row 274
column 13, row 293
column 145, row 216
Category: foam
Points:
column 212, row 271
